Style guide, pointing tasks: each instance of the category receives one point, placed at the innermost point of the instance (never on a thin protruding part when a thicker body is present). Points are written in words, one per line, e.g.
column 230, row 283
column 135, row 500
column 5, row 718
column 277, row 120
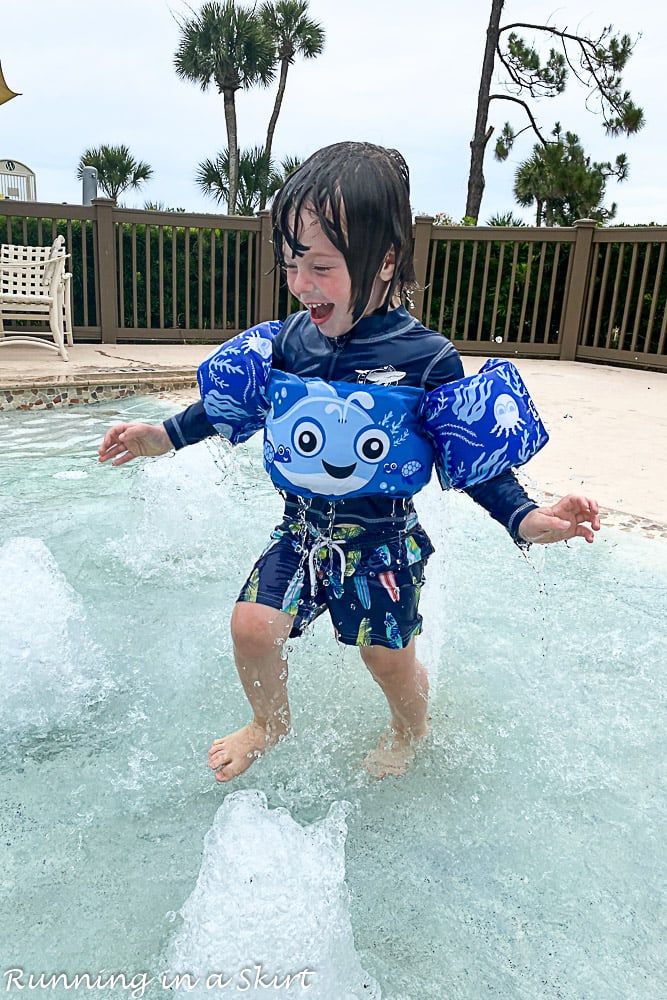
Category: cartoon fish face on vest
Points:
column 336, row 440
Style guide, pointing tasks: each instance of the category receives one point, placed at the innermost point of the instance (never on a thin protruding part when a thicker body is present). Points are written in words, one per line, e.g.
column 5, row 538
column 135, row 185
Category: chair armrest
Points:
column 15, row 265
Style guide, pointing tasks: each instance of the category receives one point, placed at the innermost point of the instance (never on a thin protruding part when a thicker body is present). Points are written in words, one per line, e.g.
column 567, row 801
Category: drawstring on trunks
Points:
column 324, row 542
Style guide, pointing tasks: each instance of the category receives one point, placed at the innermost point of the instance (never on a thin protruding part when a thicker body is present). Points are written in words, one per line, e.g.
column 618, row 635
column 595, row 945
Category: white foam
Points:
column 49, row 668
column 71, row 474
column 271, row 896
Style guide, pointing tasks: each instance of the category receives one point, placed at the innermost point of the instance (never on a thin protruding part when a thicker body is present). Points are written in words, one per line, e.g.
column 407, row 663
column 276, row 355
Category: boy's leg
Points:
column 259, row 634
column 404, row 682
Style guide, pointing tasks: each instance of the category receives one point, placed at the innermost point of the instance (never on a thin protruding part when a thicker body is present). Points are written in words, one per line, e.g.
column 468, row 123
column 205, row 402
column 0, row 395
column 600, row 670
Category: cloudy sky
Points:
column 401, row 73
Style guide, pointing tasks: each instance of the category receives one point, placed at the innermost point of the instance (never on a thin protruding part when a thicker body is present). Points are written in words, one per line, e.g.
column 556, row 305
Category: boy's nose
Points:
column 301, row 282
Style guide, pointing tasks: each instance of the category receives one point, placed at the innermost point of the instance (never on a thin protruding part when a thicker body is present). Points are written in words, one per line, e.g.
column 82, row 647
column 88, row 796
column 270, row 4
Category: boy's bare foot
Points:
column 393, row 754
column 232, row 755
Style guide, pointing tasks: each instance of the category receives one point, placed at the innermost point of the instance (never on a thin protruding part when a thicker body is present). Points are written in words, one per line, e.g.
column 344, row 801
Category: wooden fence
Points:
column 580, row 293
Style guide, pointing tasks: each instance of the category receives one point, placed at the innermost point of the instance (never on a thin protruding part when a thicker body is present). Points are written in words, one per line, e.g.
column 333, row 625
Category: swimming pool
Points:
column 523, row 855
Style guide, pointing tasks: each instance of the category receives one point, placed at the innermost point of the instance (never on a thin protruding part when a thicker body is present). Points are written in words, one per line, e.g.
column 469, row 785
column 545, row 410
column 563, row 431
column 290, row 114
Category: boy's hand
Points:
column 568, row 518
column 123, row 442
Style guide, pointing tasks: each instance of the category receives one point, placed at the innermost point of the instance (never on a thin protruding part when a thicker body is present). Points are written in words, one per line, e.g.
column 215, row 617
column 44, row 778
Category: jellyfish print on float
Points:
column 507, row 416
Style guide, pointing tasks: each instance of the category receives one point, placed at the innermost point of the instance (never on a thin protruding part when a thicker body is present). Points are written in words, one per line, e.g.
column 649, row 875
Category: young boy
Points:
column 343, row 235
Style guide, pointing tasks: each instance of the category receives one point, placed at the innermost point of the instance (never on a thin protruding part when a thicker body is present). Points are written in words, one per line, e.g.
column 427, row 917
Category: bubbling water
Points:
column 274, row 890
column 50, row 670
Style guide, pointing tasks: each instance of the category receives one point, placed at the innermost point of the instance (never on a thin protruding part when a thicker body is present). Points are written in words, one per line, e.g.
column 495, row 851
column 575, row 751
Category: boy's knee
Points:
column 256, row 629
column 383, row 662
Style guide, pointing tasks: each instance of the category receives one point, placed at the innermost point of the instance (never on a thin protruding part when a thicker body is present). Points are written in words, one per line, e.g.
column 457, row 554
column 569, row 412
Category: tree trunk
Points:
column 482, row 133
column 233, row 147
column 284, row 66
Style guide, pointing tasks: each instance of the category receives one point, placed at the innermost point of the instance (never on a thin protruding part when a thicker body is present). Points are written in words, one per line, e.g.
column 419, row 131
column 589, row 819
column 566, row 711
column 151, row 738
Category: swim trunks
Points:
column 370, row 584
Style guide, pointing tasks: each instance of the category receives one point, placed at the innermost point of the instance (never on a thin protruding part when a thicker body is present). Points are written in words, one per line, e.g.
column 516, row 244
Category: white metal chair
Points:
column 35, row 286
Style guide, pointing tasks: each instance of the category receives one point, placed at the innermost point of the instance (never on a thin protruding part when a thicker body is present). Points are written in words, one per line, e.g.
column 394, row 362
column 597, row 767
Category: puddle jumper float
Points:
column 374, row 437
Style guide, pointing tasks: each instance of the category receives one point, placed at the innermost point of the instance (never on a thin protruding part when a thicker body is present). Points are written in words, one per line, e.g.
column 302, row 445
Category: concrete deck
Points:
column 608, row 426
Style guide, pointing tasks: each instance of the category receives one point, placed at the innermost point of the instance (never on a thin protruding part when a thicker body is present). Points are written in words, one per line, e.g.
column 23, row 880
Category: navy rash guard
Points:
column 394, row 339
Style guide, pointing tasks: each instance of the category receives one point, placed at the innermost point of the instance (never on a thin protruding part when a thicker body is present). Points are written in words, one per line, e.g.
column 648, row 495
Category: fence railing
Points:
column 579, row 293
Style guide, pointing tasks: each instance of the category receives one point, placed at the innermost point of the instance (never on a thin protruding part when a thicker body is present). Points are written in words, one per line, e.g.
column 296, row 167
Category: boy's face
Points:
column 320, row 280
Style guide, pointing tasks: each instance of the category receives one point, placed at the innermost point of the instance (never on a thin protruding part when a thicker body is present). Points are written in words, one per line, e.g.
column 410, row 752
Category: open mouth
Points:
column 338, row 471
column 320, row 311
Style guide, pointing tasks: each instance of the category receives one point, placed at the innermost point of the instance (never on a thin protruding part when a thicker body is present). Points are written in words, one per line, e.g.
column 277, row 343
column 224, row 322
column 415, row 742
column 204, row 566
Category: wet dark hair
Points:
column 360, row 194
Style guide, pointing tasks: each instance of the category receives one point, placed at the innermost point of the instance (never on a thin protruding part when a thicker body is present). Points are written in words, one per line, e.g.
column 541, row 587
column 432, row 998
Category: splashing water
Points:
column 279, row 887
column 50, row 670
column 522, row 857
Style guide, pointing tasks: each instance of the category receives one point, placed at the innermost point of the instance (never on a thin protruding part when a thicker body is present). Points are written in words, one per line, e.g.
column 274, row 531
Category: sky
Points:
column 401, row 73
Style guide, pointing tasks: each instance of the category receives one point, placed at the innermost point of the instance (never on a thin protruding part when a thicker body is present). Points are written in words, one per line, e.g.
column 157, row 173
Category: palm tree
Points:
column 533, row 183
column 257, row 178
column 116, row 168
column 505, row 219
column 294, row 34
column 228, row 45
column 279, row 175
column 159, row 206
column 254, row 175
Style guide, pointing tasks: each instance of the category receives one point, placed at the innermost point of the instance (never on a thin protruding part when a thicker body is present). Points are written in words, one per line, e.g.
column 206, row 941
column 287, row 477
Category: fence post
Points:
column 577, row 289
column 266, row 270
column 423, row 226
column 105, row 257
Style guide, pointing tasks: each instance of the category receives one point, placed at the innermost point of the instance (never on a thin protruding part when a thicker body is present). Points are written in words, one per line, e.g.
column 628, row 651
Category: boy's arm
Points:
column 189, row 426
column 123, row 442
column 506, row 501
column 504, row 497
column 571, row 517
column 192, row 424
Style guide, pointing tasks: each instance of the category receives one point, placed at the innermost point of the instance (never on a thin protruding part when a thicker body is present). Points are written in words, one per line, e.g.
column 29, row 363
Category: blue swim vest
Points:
column 341, row 439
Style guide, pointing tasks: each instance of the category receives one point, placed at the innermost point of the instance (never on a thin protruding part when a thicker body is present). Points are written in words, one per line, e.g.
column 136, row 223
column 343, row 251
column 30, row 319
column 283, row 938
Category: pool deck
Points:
column 607, row 426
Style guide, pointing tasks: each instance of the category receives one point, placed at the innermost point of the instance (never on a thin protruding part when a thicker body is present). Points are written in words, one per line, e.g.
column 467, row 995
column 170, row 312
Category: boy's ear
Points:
column 386, row 272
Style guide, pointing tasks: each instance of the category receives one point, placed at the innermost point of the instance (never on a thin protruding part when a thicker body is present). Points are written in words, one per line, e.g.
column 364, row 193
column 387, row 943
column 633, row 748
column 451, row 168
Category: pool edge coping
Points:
column 66, row 390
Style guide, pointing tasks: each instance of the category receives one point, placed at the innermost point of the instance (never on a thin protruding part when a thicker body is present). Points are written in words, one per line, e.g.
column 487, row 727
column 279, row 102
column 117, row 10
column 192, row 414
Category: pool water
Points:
column 523, row 856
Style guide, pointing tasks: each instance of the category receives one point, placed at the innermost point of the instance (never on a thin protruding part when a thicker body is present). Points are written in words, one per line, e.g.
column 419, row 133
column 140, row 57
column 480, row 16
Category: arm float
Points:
column 482, row 425
column 233, row 382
